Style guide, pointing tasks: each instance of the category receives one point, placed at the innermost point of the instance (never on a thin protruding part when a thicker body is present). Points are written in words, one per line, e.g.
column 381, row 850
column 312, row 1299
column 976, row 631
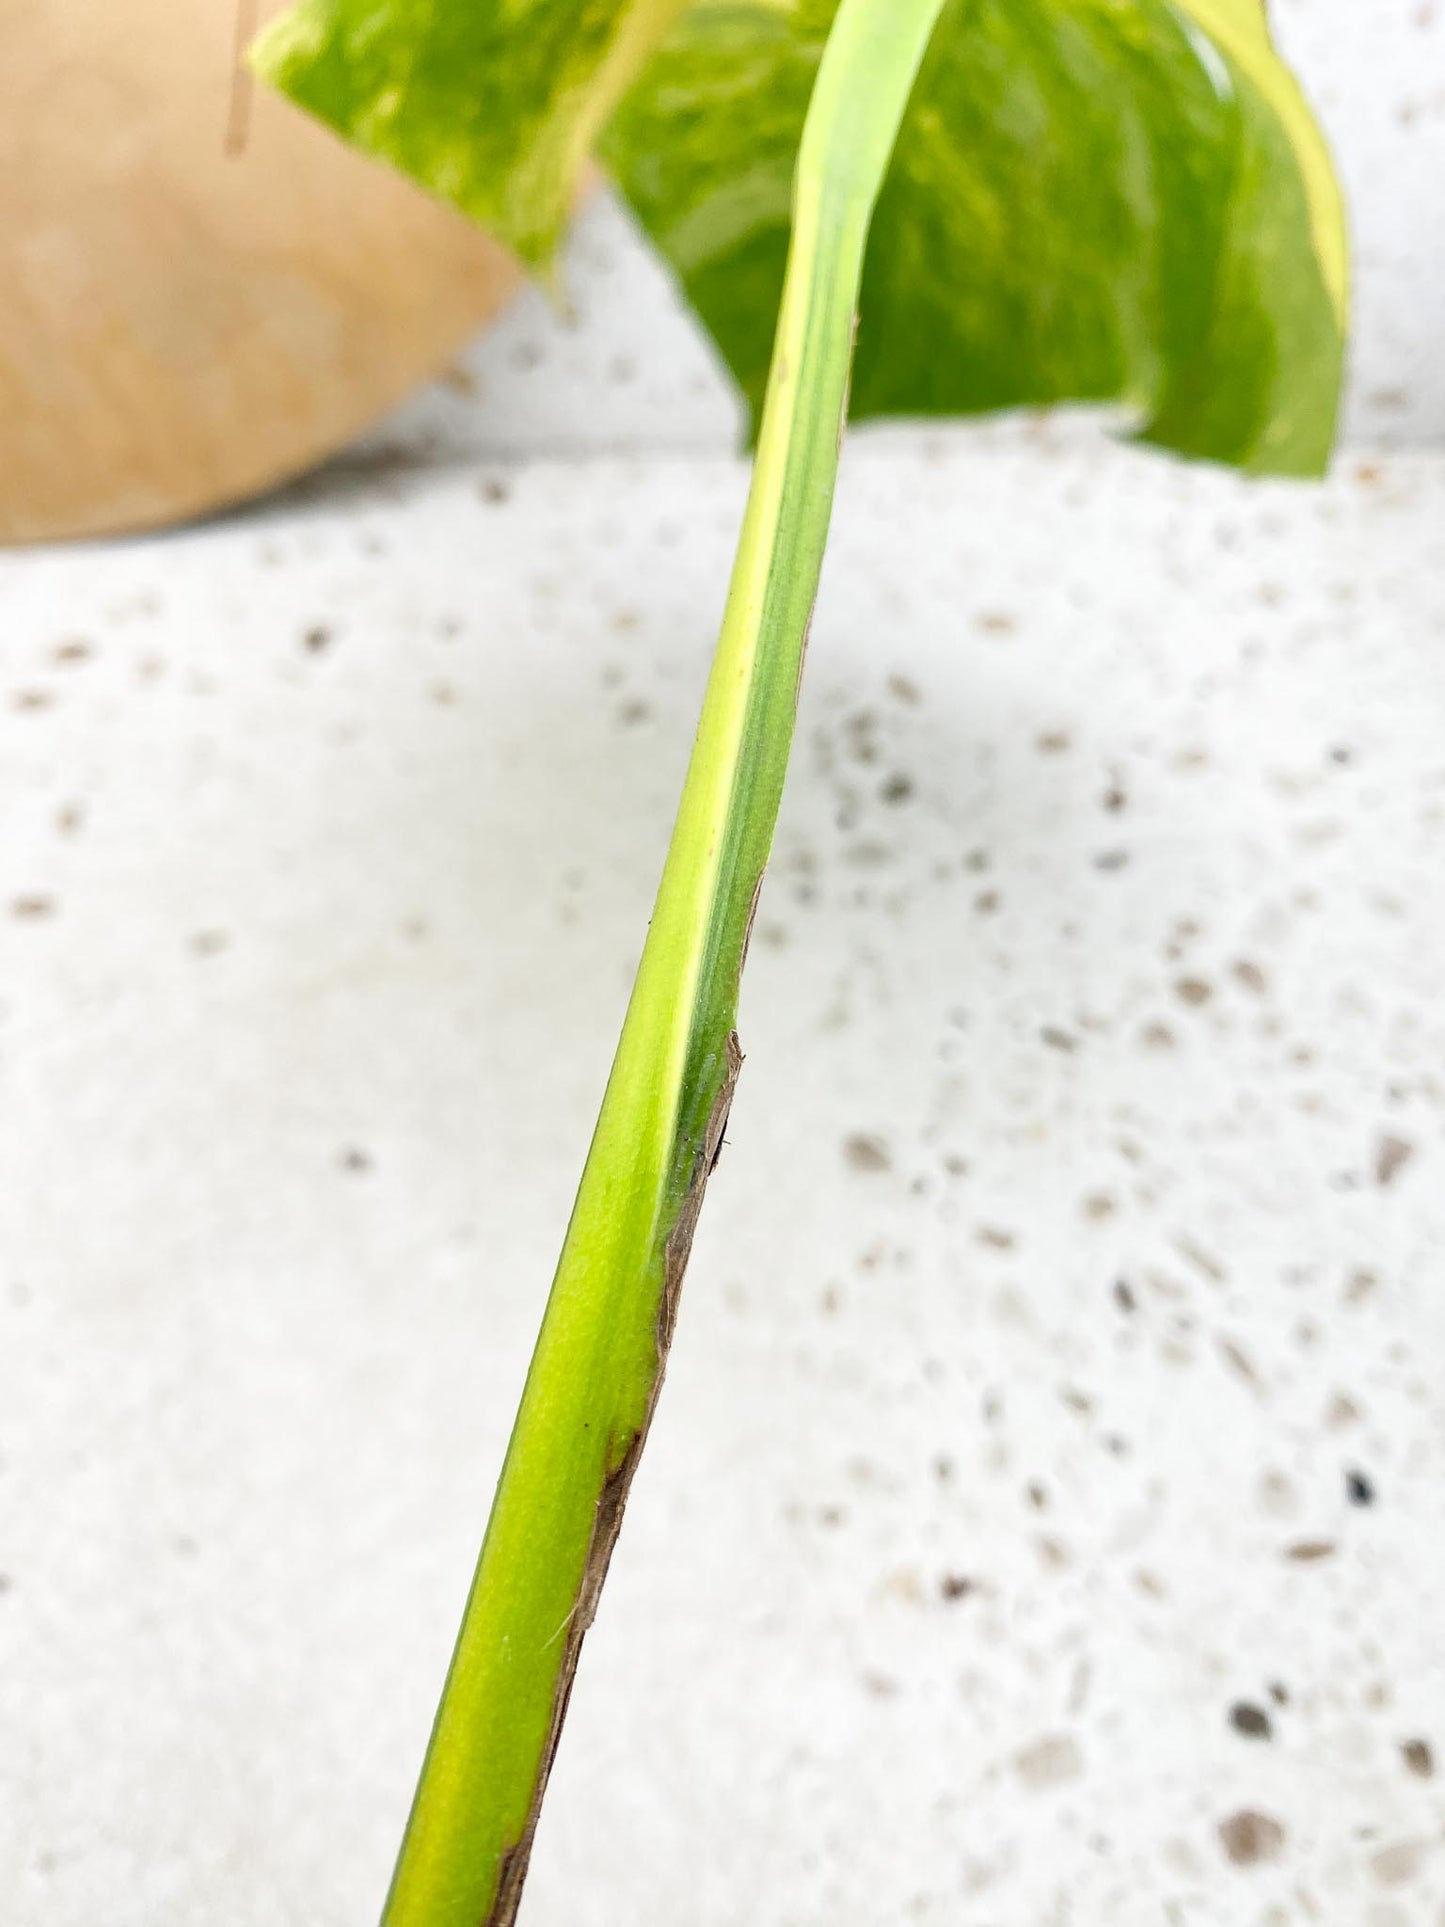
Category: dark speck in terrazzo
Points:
column 1239, row 1361
column 1419, row 1758
column 1359, row 1488
column 1359, row 1285
column 1250, row 1720
column 1392, row 1154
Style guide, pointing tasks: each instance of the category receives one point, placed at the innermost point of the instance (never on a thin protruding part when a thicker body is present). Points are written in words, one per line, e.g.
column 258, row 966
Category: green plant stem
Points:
column 599, row 1359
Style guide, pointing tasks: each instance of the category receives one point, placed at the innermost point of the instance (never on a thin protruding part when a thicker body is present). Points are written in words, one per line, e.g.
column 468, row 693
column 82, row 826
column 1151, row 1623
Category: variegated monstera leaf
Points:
column 1103, row 200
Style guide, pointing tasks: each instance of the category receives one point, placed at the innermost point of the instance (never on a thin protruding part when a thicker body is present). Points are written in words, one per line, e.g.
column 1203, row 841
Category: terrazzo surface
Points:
column 1044, row 1525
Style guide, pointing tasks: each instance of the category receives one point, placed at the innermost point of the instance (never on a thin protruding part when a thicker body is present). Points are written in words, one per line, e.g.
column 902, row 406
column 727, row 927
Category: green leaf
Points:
column 1106, row 200
column 492, row 104
column 1101, row 200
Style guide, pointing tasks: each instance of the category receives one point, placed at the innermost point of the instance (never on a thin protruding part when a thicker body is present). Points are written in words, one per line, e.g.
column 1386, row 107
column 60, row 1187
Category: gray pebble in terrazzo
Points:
column 1392, row 1154
column 1050, row 1762
column 1250, row 1838
column 864, row 1152
column 1399, row 1864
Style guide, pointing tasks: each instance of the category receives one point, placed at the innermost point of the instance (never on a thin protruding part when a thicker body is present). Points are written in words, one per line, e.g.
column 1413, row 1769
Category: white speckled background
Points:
column 1045, row 1521
column 1051, row 1469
